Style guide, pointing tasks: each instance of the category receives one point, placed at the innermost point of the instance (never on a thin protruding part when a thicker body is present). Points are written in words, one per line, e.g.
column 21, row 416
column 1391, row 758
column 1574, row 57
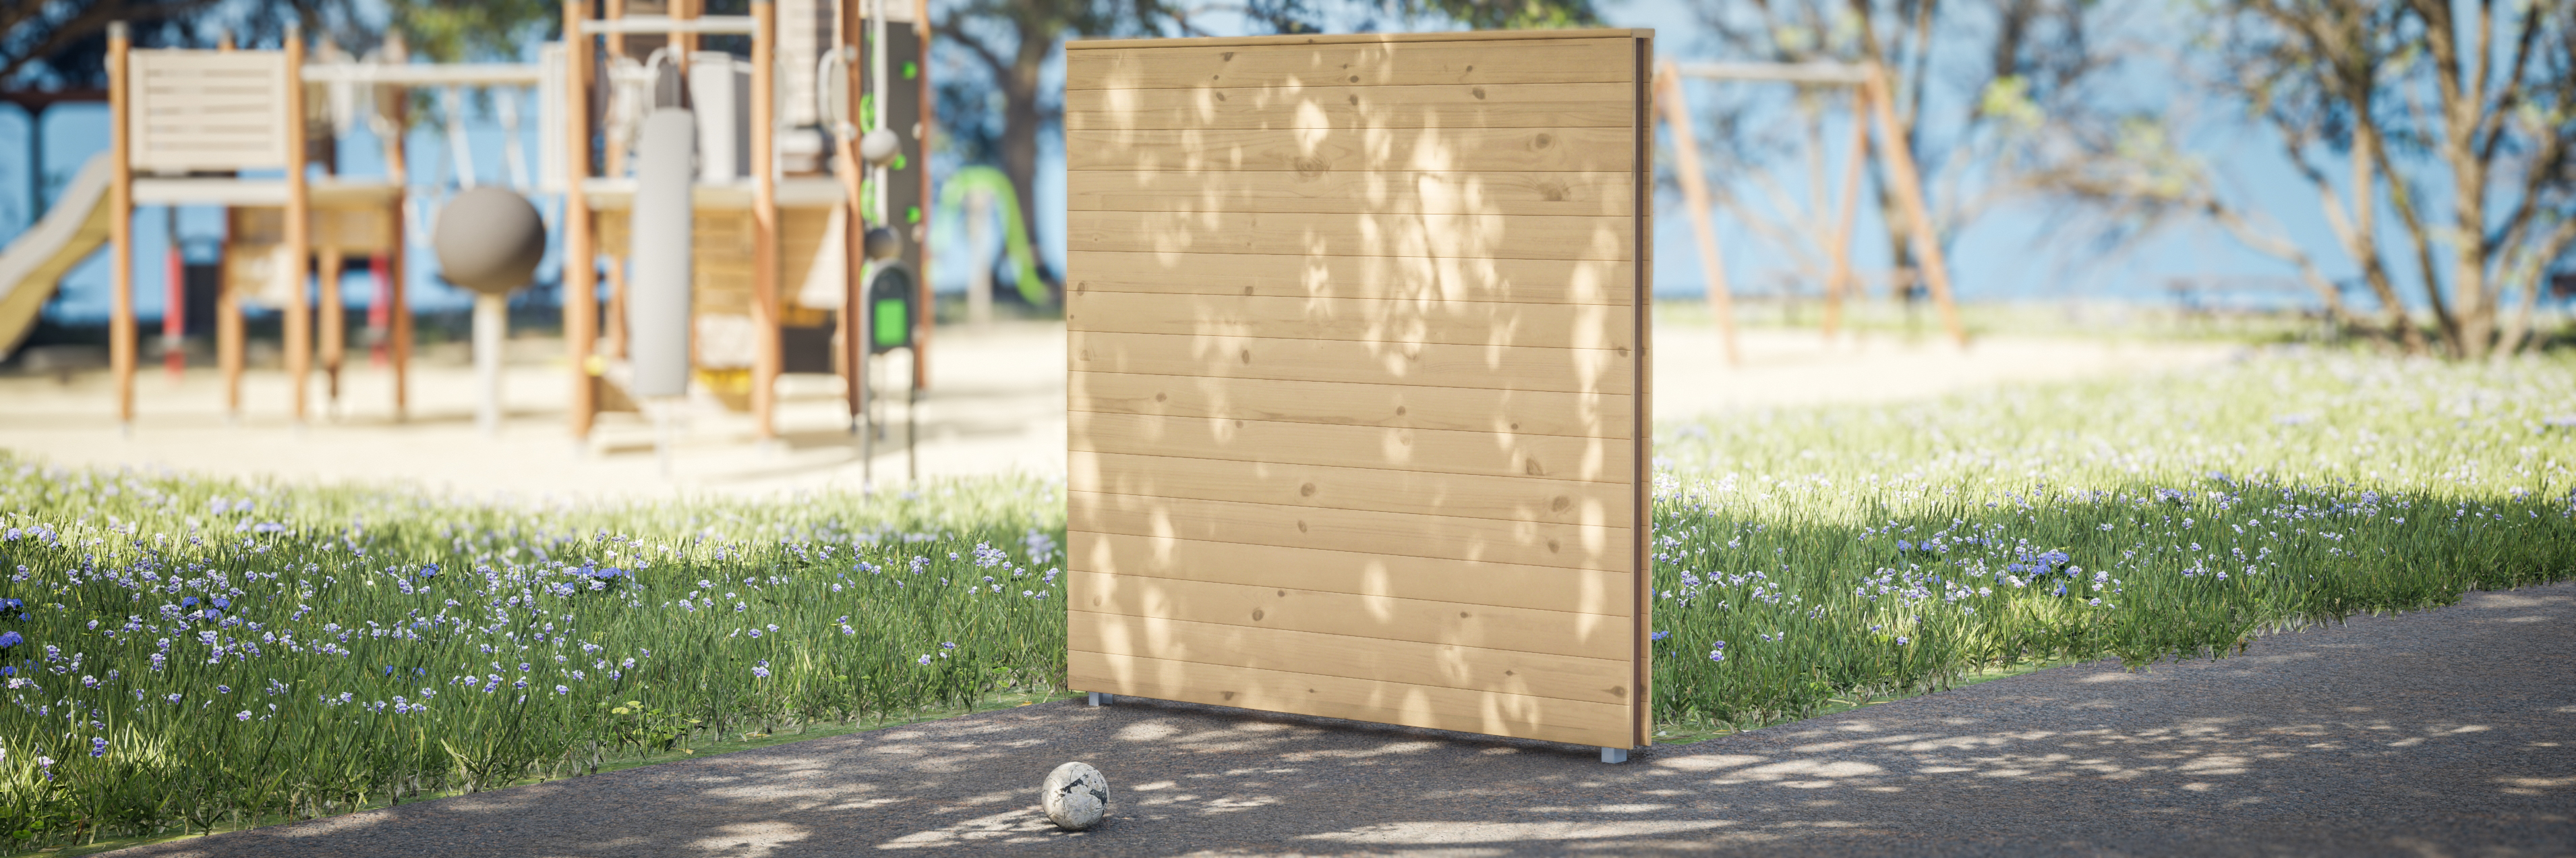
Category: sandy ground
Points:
column 995, row 404
column 2450, row 732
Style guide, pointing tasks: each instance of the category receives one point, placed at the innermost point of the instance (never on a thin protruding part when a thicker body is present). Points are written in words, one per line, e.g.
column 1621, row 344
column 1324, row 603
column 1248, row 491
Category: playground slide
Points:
column 37, row 259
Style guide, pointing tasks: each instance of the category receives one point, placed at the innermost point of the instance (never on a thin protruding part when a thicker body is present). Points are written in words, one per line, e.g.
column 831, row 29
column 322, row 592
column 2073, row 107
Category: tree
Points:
column 1982, row 92
column 2416, row 98
column 1001, row 118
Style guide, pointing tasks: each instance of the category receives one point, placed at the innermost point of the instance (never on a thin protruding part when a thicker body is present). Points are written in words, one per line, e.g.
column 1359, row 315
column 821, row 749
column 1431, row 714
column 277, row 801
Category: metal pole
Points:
column 491, row 335
column 120, row 332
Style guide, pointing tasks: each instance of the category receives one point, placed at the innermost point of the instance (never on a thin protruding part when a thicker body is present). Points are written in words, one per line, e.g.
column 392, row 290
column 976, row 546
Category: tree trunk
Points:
column 1022, row 121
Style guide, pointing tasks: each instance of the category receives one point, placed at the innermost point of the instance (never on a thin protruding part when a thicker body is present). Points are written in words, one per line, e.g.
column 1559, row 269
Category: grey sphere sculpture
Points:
column 1076, row 797
column 879, row 146
column 883, row 243
column 489, row 240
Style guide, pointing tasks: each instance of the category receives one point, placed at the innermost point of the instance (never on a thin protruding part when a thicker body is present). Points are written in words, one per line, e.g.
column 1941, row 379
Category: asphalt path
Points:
column 2448, row 732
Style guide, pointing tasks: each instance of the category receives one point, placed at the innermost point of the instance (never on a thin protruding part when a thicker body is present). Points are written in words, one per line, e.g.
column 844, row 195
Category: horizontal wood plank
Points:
column 1552, row 457
column 1344, row 64
column 1519, row 281
column 1563, row 677
column 1300, row 39
column 1438, row 149
column 1281, row 606
column 1395, row 192
column 1610, row 371
column 1523, row 412
column 1570, row 546
column 1436, row 579
column 1474, row 323
column 1305, row 108
column 1446, row 236
column 1488, row 712
column 1353, row 488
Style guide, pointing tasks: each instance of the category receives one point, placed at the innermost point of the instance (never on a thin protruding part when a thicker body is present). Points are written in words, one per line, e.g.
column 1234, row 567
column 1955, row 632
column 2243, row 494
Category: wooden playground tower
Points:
column 1872, row 100
column 185, row 125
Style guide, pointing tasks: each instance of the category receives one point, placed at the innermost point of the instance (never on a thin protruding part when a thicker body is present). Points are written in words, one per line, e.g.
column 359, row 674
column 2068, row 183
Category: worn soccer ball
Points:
column 1075, row 796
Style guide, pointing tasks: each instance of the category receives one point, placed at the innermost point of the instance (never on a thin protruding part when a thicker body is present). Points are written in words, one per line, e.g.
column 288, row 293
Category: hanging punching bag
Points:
column 657, row 310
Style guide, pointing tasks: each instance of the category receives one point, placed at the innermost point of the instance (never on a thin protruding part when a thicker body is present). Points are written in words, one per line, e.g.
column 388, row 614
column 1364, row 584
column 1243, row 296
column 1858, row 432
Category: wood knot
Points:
column 1256, row 615
column 1306, row 491
column 1561, row 504
column 1479, row 92
column 1542, row 141
column 1310, row 167
column 1161, row 396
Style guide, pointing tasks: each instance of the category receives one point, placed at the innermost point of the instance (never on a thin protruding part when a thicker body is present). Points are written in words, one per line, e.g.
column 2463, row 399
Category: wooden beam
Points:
column 120, row 332
column 1694, row 181
column 334, row 326
column 299, row 230
column 581, row 265
column 1838, row 280
column 1908, row 186
column 765, row 360
column 396, row 256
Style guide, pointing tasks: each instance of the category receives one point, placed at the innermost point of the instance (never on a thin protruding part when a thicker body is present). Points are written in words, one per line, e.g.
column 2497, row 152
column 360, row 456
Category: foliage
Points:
column 2419, row 103
column 1984, row 92
column 180, row 652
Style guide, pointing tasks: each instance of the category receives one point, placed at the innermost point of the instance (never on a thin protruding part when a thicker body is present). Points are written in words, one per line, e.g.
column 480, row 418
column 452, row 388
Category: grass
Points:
column 373, row 645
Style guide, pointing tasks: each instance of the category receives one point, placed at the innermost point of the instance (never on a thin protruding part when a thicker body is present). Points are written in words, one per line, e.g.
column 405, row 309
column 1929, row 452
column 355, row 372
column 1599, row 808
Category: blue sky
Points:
column 2007, row 255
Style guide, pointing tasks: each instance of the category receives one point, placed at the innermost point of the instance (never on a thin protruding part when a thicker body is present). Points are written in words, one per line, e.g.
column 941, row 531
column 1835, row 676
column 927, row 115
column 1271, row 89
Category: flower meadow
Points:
column 184, row 654
column 1819, row 556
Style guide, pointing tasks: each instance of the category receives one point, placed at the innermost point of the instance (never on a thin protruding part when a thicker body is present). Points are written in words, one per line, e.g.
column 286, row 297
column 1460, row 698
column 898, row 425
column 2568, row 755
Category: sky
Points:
column 2010, row 254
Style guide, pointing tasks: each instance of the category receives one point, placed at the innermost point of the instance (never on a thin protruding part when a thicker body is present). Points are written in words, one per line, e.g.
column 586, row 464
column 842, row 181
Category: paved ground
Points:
column 996, row 404
column 2444, row 733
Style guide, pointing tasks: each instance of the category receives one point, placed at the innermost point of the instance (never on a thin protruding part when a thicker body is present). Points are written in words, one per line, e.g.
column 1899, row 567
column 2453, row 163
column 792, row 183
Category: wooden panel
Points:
column 1485, row 712
column 207, row 110
column 1476, row 323
column 1358, row 192
column 1443, row 149
column 1342, row 64
column 1534, row 674
column 1353, row 331
column 1353, row 488
column 1524, row 412
column 1526, row 105
column 1437, row 579
column 1492, row 367
column 1518, row 281
column 1441, row 451
column 1276, row 607
column 1446, row 236
column 1531, row 543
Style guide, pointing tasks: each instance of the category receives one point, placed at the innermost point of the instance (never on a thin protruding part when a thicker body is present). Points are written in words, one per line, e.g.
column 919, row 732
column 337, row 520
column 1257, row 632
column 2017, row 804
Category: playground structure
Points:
column 1871, row 101
column 1359, row 398
column 782, row 199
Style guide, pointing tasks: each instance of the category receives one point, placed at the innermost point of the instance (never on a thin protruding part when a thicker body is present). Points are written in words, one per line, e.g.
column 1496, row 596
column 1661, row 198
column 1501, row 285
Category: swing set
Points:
column 1870, row 101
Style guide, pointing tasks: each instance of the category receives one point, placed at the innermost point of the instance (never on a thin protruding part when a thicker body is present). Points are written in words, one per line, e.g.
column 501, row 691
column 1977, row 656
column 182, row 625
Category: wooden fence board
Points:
column 1356, row 411
column 1443, row 236
column 1454, row 623
column 1470, row 323
column 1438, row 451
column 1563, row 677
column 1585, row 60
column 1516, row 281
column 1351, row 488
column 1528, row 543
column 1524, row 412
column 1432, row 364
column 1555, row 150
column 1302, row 108
column 1485, row 712
column 1359, row 192
column 1436, row 579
